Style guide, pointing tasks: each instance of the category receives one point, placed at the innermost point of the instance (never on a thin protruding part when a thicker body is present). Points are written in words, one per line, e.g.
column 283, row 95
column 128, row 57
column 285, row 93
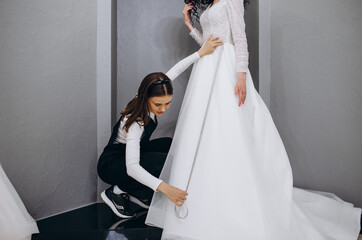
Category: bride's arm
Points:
column 235, row 10
column 209, row 47
column 237, row 23
column 196, row 34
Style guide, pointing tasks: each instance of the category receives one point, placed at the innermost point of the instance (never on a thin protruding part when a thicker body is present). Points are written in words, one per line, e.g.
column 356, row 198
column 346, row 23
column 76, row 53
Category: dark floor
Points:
column 95, row 222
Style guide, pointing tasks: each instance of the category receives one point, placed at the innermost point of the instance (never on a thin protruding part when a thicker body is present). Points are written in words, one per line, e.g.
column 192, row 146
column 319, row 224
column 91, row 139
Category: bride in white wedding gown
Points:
column 232, row 161
column 15, row 221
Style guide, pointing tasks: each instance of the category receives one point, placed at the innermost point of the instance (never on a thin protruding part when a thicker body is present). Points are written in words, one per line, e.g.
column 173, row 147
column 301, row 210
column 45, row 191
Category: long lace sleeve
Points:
column 236, row 17
column 197, row 36
column 182, row 65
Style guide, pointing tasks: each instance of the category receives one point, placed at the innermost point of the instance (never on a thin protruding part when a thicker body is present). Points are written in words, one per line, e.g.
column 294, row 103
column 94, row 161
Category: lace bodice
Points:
column 225, row 19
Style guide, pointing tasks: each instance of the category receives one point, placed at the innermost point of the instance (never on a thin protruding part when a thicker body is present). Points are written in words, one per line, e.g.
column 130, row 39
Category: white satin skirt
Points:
column 233, row 164
column 15, row 221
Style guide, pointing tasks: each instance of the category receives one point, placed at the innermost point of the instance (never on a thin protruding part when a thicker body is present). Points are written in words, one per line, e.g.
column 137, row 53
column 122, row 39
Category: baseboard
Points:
column 66, row 211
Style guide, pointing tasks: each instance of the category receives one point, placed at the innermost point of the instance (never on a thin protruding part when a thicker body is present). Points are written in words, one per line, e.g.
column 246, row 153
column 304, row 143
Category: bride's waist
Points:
column 226, row 43
column 223, row 38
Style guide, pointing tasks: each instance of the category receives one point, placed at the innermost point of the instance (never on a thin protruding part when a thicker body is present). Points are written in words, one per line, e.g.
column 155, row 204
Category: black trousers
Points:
column 112, row 165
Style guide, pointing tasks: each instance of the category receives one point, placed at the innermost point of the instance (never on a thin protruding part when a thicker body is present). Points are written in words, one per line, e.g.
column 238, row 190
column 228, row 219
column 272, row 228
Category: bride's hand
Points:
column 210, row 46
column 240, row 87
column 176, row 195
column 187, row 15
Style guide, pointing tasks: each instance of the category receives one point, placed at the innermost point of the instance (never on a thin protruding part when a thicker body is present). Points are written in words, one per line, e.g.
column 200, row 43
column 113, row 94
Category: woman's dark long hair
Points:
column 153, row 85
column 201, row 5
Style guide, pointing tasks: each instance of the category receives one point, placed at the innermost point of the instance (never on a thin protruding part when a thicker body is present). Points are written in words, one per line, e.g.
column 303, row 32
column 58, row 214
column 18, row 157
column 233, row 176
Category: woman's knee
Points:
column 153, row 161
column 167, row 143
column 159, row 145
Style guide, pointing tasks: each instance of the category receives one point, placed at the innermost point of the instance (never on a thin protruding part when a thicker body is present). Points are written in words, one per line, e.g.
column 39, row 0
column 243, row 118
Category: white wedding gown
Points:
column 15, row 221
column 232, row 160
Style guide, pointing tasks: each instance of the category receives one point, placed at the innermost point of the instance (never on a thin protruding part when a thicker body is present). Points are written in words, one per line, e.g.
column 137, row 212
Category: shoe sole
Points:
column 138, row 202
column 110, row 204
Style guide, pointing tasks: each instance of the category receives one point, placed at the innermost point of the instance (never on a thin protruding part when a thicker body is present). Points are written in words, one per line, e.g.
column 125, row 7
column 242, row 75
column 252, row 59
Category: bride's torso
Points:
column 214, row 20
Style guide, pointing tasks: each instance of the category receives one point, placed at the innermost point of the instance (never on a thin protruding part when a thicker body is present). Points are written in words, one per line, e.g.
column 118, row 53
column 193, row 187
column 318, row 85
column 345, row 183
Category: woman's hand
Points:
column 210, row 46
column 240, row 87
column 187, row 15
column 176, row 195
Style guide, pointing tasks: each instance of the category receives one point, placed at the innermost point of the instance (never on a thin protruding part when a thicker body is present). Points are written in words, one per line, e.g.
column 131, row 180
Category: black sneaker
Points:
column 145, row 203
column 119, row 203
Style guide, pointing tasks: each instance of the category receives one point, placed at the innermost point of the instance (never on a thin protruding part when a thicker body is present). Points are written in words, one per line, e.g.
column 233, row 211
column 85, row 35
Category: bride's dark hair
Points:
column 201, row 5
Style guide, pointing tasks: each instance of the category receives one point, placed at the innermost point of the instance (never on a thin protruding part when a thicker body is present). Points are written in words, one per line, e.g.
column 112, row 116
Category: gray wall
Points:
column 106, row 76
column 152, row 38
column 315, row 93
column 48, row 102
column 252, row 32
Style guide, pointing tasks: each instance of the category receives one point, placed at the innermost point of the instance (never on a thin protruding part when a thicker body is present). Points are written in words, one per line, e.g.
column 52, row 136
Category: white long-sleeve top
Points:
column 132, row 138
column 225, row 19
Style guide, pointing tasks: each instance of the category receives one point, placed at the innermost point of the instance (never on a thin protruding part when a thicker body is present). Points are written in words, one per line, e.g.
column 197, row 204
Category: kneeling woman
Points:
column 130, row 162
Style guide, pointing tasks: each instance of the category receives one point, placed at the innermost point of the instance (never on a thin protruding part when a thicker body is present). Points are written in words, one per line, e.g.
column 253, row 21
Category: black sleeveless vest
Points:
column 146, row 135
